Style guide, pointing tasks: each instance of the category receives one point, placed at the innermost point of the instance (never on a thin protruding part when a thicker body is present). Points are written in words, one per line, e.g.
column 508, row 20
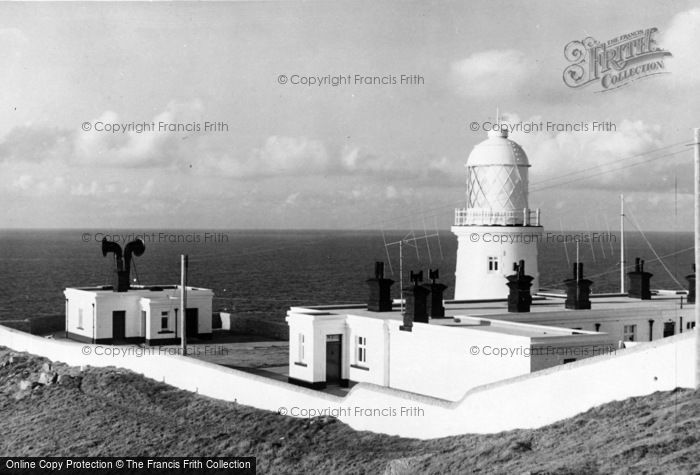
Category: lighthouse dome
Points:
column 498, row 149
column 497, row 181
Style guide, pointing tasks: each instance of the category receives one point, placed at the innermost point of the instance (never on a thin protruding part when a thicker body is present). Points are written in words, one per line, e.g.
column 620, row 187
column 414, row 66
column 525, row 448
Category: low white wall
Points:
column 527, row 401
column 445, row 362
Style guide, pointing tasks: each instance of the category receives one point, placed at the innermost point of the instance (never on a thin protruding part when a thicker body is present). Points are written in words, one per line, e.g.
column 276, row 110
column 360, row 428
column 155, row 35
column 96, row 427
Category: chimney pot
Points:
column 640, row 281
column 578, row 290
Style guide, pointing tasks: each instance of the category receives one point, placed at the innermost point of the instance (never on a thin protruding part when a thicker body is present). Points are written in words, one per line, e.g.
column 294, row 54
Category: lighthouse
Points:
column 497, row 228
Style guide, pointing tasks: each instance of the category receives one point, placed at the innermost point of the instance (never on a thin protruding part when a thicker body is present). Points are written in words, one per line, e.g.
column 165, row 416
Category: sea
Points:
column 263, row 273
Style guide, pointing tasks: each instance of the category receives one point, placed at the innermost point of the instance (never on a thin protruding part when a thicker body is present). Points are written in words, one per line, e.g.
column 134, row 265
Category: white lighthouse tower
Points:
column 497, row 228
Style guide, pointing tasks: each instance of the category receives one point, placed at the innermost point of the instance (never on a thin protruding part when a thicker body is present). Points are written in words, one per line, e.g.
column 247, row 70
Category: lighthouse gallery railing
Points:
column 487, row 217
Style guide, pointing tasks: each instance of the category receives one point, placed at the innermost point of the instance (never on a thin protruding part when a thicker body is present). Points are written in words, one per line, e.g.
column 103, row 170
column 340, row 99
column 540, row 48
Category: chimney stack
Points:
column 379, row 290
column 691, row 286
column 436, row 309
column 519, row 298
column 578, row 290
column 416, row 297
column 640, row 281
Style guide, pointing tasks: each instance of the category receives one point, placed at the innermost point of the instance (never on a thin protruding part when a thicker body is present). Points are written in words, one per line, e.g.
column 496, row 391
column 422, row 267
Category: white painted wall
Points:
column 301, row 368
column 509, row 243
column 315, row 326
column 528, row 401
column 77, row 301
column 440, row 361
column 133, row 303
column 375, row 368
column 612, row 321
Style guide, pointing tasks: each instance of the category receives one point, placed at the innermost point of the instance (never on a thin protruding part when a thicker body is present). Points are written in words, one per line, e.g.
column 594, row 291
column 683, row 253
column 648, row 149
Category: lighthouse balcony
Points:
column 488, row 217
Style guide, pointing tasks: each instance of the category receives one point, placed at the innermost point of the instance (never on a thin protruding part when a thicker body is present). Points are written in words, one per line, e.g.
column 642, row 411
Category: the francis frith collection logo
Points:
column 616, row 62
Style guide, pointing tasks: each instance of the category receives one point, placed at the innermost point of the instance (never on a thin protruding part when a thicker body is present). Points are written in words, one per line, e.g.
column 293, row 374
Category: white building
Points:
column 143, row 314
column 497, row 228
column 476, row 344
column 135, row 313
column 498, row 326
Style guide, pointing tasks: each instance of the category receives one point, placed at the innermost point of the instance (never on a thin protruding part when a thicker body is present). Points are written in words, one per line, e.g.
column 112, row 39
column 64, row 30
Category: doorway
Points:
column 333, row 358
column 192, row 323
column 669, row 329
column 118, row 326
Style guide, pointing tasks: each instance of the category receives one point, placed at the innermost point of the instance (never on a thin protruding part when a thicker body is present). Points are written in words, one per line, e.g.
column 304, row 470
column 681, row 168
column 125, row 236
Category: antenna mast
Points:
column 401, row 242
column 696, row 160
column 622, row 244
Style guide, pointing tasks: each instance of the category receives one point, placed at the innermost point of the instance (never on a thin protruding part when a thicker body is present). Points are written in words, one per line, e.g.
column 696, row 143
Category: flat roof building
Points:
column 476, row 343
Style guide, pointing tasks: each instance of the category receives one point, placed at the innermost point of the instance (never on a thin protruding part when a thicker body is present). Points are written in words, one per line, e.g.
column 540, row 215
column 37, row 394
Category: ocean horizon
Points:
column 264, row 272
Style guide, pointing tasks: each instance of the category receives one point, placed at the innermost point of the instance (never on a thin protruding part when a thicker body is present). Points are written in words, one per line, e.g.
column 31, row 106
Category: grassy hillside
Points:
column 56, row 410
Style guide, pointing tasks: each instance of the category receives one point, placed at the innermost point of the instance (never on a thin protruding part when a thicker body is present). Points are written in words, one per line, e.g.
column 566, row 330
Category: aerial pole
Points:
column 183, row 303
column 622, row 244
column 410, row 241
column 401, row 272
column 696, row 144
column 576, row 271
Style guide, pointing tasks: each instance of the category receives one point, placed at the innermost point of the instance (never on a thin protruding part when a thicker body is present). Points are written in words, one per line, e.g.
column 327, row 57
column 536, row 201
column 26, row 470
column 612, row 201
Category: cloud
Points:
column 85, row 190
column 147, row 188
column 357, row 161
column 606, row 156
column 492, row 74
column 35, row 143
column 279, row 155
column 681, row 39
column 23, row 182
column 291, row 200
column 130, row 145
column 30, row 186
column 11, row 42
column 116, row 141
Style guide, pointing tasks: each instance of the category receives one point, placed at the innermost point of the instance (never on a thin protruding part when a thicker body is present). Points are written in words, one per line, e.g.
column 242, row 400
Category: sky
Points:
column 357, row 155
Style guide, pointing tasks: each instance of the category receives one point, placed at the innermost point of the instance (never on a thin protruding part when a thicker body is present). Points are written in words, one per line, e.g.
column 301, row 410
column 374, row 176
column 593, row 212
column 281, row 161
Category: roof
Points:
column 498, row 150
column 149, row 291
column 545, row 312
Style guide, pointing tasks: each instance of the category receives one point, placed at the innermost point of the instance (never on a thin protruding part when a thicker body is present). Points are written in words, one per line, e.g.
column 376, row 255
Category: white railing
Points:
column 487, row 217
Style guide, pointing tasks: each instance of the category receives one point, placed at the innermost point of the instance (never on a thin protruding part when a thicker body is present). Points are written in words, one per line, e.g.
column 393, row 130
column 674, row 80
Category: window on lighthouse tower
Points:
column 493, row 264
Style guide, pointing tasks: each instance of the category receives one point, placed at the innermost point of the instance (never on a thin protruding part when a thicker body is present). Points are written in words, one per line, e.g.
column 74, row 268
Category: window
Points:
column 301, row 347
column 164, row 317
column 361, row 349
column 493, row 264
column 80, row 318
column 629, row 333
column 690, row 325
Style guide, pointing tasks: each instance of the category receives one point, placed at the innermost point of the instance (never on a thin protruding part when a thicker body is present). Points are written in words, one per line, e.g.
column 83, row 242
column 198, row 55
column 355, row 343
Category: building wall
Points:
column 374, row 369
column 133, row 303
column 202, row 299
column 611, row 322
column 445, row 362
column 155, row 306
column 80, row 300
column 108, row 302
column 154, row 329
column 528, row 401
column 301, row 366
column 476, row 244
column 315, row 329
column 558, row 351
column 436, row 360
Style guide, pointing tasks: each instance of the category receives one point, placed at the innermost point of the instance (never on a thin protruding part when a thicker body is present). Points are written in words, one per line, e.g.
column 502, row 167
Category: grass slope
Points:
column 54, row 410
